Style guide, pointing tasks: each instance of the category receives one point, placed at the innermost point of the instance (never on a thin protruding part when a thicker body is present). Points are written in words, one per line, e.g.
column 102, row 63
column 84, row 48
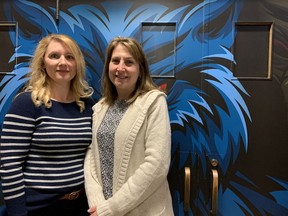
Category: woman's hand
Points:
column 92, row 211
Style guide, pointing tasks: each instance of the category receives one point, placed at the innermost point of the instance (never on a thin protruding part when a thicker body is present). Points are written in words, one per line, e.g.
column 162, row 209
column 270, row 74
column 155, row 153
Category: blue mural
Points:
column 208, row 107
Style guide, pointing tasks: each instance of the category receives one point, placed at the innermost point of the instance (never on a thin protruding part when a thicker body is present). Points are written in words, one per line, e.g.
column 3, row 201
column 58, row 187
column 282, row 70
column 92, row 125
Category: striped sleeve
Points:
column 16, row 137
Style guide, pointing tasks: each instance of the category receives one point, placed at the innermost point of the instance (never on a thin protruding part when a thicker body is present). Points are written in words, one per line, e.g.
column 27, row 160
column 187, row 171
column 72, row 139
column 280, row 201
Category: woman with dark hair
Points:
column 127, row 164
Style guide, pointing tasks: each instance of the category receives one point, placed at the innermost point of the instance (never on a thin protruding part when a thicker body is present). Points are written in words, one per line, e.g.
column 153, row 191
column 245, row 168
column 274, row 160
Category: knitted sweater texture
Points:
column 42, row 152
column 142, row 148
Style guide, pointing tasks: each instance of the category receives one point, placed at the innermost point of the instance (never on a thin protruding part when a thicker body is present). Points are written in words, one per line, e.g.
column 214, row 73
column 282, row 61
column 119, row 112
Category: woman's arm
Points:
column 16, row 135
column 93, row 188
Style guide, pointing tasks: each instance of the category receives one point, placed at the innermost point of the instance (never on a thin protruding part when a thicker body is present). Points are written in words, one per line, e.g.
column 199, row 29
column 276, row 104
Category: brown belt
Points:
column 73, row 195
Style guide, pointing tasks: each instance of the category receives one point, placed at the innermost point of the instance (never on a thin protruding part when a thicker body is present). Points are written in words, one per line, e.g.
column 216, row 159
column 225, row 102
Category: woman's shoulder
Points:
column 89, row 101
column 151, row 97
column 22, row 104
column 99, row 104
column 23, row 98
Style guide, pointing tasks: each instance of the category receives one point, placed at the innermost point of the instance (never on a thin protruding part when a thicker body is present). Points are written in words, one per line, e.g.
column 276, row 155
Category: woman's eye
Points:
column 115, row 61
column 54, row 56
column 70, row 57
column 129, row 62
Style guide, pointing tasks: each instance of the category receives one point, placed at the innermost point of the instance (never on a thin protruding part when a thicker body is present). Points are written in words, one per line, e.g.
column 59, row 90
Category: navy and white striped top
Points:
column 42, row 152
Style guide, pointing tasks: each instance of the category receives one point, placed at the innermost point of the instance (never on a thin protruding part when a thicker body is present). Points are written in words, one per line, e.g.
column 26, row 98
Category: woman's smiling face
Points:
column 123, row 71
column 60, row 63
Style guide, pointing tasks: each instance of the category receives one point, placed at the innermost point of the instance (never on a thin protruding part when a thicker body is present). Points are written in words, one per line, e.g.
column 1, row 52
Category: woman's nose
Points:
column 62, row 60
column 121, row 66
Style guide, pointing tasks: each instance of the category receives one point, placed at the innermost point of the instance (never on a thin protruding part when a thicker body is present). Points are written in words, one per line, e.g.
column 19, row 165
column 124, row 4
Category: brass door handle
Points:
column 187, row 189
column 215, row 182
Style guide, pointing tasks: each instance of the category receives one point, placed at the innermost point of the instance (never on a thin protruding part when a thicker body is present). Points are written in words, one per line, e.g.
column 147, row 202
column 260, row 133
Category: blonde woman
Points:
column 46, row 133
column 127, row 164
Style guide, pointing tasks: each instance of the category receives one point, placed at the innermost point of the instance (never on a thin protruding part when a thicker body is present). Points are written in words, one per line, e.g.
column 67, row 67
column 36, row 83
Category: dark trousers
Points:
column 77, row 207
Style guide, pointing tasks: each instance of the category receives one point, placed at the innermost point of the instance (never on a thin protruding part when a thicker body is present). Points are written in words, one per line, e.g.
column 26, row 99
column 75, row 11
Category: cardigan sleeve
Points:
column 92, row 186
column 151, row 174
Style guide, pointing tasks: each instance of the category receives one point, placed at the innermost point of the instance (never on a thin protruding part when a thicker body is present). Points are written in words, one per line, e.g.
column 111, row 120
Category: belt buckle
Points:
column 73, row 195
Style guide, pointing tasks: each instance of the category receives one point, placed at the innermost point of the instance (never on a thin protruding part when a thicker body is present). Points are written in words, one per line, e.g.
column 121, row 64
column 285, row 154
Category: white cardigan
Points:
column 141, row 160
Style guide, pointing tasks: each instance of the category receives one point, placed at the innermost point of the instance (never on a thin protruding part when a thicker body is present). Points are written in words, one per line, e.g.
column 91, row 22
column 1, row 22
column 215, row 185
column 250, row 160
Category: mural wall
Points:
column 224, row 66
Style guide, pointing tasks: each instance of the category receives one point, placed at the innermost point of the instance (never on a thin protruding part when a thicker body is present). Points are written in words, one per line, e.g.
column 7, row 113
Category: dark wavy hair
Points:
column 144, row 82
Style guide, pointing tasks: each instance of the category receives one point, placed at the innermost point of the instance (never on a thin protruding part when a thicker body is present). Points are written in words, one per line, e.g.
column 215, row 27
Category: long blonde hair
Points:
column 38, row 83
column 144, row 82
